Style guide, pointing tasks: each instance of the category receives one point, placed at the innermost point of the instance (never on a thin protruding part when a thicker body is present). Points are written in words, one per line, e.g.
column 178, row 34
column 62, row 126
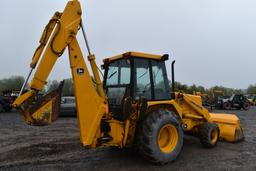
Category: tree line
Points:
column 225, row 90
column 15, row 83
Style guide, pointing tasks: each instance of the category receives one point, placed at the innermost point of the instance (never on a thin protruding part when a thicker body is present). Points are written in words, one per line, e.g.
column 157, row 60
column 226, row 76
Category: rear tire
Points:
column 160, row 137
column 226, row 105
column 209, row 135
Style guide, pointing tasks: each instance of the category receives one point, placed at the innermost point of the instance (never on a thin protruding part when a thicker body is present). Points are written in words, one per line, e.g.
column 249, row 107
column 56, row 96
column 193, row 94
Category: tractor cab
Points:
column 133, row 76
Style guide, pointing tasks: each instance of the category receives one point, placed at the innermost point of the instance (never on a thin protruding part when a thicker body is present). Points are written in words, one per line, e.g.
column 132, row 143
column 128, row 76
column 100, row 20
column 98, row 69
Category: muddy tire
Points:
column 246, row 106
column 226, row 105
column 209, row 135
column 160, row 137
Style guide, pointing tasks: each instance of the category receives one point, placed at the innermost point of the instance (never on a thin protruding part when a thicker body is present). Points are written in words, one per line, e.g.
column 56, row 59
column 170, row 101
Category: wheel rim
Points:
column 168, row 138
column 227, row 105
column 214, row 136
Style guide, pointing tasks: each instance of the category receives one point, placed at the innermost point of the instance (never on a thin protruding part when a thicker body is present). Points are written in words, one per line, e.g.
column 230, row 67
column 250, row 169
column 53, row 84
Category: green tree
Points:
column 11, row 83
column 251, row 89
column 52, row 85
column 180, row 87
column 68, row 88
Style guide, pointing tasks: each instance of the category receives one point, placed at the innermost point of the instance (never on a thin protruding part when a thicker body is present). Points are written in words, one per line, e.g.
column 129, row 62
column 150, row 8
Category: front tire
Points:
column 209, row 134
column 160, row 137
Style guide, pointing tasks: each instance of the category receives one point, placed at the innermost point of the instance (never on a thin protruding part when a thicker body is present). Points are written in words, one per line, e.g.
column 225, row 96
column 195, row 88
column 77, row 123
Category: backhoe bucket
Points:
column 41, row 111
column 229, row 125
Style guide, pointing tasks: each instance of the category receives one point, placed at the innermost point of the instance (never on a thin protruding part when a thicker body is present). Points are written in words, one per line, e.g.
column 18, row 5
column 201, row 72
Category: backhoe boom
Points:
column 60, row 33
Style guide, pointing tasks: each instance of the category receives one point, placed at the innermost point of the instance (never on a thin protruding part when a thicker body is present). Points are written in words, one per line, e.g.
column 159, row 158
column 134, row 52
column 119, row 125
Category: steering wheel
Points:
column 146, row 87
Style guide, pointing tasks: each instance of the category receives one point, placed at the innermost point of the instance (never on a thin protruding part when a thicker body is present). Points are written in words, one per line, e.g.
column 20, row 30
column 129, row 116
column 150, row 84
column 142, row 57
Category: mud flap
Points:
column 229, row 125
column 41, row 111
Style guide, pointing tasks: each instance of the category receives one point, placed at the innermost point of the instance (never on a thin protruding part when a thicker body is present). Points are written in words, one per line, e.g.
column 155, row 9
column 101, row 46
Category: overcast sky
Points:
column 212, row 41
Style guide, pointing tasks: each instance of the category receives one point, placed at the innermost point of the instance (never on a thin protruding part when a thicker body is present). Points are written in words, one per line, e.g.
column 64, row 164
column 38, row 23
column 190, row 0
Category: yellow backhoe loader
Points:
column 134, row 106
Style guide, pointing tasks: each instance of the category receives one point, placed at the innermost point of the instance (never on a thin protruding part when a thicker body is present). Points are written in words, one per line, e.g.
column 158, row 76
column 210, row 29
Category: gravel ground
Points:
column 57, row 147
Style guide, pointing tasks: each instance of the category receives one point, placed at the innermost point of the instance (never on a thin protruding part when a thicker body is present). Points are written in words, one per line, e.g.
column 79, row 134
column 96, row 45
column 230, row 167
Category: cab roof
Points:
column 136, row 54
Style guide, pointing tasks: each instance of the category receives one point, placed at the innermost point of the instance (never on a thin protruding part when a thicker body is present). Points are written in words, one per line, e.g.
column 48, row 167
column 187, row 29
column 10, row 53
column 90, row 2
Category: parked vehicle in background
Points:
column 236, row 101
column 5, row 104
column 68, row 106
column 252, row 99
column 213, row 98
column 6, row 99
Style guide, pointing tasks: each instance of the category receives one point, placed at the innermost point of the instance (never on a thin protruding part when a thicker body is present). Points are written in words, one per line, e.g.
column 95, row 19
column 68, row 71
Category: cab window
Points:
column 160, row 81
column 117, row 79
column 142, row 79
column 150, row 80
column 119, row 73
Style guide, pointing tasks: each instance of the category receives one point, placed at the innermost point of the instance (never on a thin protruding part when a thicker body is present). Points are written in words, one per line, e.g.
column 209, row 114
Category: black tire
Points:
column 207, row 139
column 226, row 105
column 246, row 106
column 149, row 132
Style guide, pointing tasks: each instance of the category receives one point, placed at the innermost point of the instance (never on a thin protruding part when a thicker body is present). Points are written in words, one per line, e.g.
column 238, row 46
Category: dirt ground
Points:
column 57, row 147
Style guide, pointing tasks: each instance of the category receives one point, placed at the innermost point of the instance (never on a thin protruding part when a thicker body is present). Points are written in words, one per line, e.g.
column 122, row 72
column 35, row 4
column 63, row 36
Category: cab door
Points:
column 117, row 86
column 150, row 80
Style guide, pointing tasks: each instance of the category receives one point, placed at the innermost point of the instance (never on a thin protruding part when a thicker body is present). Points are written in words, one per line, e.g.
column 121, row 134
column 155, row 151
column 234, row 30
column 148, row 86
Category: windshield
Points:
column 119, row 73
column 117, row 79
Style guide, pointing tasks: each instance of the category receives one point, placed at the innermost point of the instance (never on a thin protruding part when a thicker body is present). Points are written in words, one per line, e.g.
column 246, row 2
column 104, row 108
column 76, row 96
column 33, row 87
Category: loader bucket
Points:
column 229, row 125
column 41, row 111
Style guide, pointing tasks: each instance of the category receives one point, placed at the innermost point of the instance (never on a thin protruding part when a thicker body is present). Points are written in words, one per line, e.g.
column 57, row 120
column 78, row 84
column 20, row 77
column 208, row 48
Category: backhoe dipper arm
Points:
column 66, row 26
column 60, row 33
column 65, row 32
